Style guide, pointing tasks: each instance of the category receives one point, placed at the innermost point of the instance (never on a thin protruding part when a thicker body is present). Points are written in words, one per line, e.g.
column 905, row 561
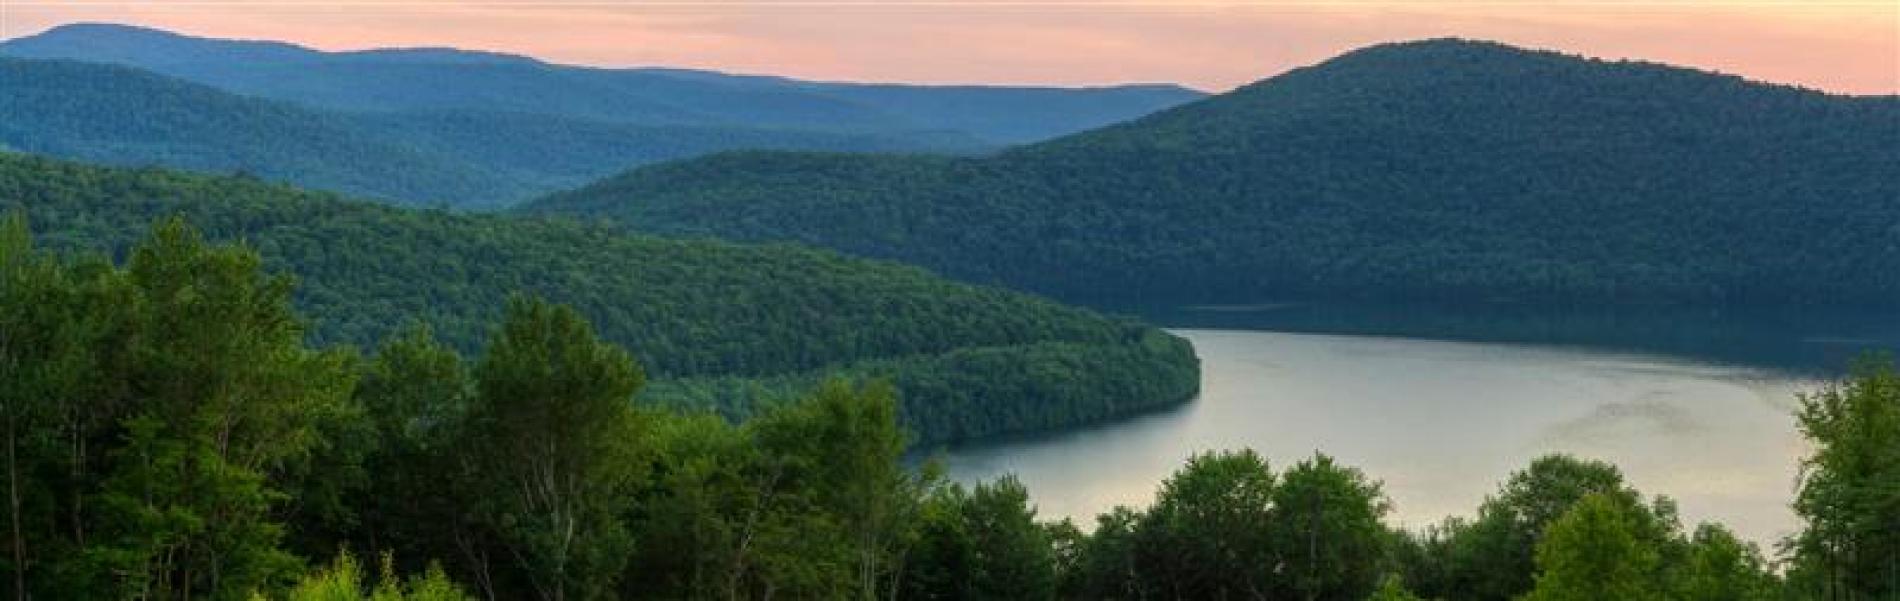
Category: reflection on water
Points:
column 1812, row 342
column 1442, row 422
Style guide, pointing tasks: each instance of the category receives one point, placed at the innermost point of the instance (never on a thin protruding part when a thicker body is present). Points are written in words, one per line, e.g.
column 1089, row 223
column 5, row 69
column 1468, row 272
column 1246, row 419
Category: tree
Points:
column 840, row 447
column 344, row 580
column 1392, row 589
column 1015, row 558
column 1493, row 558
column 1850, row 485
column 1105, row 564
column 940, row 564
column 224, row 402
column 985, row 544
column 555, row 445
column 1210, row 532
column 1593, row 553
column 1723, row 568
column 1327, row 531
column 415, row 393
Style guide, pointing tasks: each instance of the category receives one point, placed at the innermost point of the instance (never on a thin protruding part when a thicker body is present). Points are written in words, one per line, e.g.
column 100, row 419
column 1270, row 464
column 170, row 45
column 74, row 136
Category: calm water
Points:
column 1699, row 409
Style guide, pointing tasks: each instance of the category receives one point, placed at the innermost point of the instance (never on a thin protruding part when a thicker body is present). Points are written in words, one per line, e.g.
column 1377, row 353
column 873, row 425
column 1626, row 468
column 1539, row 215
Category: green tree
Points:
column 1209, row 534
column 841, row 447
column 344, row 580
column 1593, row 553
column 1015, row 558
column 1392, row 589
column 940, row 564
column 226, row 401
column 415, row 393
column 1850, row 486
column 984, row 544
column 1493, row 557
column 1106, row 562
column 1722, row 567
column 1327, row 530
column 555, row 445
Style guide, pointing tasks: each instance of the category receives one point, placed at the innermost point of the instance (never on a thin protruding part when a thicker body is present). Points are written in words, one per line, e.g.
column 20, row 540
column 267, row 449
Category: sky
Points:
column 1843, row 46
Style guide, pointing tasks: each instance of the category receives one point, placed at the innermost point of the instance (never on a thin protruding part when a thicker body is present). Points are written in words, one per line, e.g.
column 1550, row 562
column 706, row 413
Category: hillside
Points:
column 421, row 79
column 702, row 317
column 1442, row 169
column 123, row 116
column 466, row 159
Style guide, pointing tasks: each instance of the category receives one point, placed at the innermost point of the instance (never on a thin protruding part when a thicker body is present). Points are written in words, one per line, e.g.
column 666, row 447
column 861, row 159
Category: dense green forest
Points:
column 1445, row 169
column 729, row 326
column 466, row 159
column 170, row 434
column 430, row 79
column 116, row 115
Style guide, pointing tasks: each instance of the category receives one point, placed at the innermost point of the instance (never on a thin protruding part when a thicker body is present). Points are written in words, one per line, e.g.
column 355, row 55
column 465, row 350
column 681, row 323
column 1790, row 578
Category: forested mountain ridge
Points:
column 443, row 78
column 118, row 115
column 465, row 159
column 1442, row 169
column 719, row 326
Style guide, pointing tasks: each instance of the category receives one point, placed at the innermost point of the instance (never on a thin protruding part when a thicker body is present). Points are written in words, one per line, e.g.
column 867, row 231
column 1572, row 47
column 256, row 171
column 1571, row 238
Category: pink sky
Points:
column 1848, row 46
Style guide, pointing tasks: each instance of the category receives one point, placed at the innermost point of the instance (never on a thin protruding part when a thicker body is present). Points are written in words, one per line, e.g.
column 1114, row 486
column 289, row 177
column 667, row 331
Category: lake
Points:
column 1443, row 405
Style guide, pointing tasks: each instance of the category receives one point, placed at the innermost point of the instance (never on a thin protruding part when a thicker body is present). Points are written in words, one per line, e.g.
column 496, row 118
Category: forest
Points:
column 409, row 80
column 440, row 157
column 1443, row 170
column 171, row 432
column 731, row 326
column 471, row 129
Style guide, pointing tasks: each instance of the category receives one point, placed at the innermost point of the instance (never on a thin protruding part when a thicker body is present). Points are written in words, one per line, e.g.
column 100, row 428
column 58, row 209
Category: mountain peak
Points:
column 1449, row 60
column 133, row 44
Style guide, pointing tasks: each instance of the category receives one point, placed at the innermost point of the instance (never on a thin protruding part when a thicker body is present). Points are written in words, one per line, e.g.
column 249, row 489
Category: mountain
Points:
column 469, row 159
column 719, row 326
column 439, row 78
column 117, row 115
column 1442, row 169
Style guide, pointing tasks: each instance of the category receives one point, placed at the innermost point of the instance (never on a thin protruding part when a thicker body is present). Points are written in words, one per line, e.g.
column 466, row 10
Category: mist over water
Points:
column 1443, row 422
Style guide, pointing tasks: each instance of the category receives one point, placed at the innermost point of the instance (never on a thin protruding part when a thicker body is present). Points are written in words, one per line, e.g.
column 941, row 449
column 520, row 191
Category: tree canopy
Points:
column 717, row 326
column 1442, row 169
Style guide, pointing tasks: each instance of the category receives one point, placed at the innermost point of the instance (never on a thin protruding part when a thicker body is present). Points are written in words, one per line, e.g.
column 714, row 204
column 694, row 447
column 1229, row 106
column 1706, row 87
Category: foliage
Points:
column 1850, row 486
column 344, row 580
column 1328, row 532
column 170, row 434
column 1591, row 553
column 1445, row 170
column 1494, row 557
column 156, row 425
column 1721, row 566
column 983, row 544
column 969, row 361
column 1392, row 589
column 553, row 446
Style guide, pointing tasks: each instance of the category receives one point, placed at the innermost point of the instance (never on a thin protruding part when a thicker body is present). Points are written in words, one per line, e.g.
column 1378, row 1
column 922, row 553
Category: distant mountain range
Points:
column 1441, row 169
column 466, row 128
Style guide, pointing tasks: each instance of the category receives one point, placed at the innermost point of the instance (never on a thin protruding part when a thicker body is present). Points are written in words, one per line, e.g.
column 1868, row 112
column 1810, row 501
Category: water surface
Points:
column 1445, row 412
